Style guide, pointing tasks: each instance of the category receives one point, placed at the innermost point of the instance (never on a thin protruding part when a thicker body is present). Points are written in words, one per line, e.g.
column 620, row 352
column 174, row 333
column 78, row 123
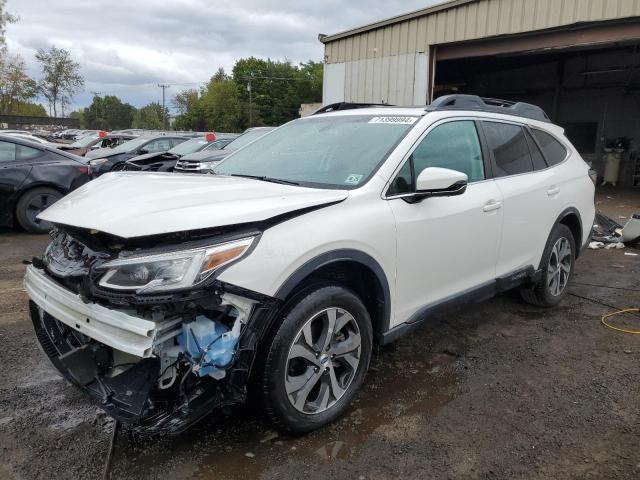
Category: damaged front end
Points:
column 144, row 327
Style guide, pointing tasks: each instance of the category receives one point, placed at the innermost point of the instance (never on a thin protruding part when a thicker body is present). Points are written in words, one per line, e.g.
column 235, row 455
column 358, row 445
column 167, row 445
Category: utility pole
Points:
column 250, row 104
column 164, row 86
column 96, row 95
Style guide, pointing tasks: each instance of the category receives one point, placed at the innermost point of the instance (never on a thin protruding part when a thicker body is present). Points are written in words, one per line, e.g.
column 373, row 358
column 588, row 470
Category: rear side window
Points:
column 7, row 152
column 553, row 150
column 509, row 147
column 27, row 153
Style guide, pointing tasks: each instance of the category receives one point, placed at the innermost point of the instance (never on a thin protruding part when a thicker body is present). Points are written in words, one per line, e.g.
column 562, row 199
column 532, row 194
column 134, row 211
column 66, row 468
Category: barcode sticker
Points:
column 395, row 120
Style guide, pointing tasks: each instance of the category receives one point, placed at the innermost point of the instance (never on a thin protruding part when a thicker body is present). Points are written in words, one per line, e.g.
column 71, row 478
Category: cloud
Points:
column 126, row 48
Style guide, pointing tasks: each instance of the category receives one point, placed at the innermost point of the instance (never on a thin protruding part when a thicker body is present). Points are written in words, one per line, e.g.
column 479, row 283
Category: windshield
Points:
column 85, row 141
column 218, row 144
column 246, row 138
column 331, row 151
column 190, row 146
column 131, row 145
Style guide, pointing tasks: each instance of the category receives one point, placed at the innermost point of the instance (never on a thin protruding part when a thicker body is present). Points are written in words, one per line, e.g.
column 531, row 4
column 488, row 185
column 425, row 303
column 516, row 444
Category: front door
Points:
column 446, row 246
column 13, row 172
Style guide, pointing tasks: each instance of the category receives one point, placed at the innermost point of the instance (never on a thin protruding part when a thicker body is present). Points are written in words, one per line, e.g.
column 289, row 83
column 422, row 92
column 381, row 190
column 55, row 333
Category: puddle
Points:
column 402, row 383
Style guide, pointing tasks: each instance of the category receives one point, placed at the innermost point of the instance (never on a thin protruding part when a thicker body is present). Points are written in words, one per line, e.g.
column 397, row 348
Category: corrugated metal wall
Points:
column 483, row 18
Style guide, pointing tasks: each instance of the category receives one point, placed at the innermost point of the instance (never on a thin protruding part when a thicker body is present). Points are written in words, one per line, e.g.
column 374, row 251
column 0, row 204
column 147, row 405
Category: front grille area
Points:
column 188, row 165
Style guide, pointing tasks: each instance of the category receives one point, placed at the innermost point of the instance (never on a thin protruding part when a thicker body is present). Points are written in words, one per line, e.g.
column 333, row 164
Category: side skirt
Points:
column 521, row 277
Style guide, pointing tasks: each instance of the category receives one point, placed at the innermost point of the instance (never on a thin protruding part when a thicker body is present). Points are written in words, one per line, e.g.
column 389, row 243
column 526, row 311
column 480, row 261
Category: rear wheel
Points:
column 31, row 204
column 317, row 359
column 557, row 267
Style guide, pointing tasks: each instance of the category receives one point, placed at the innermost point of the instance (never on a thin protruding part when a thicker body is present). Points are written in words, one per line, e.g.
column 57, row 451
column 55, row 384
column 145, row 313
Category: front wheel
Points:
column 557, row 267
column 317, row 359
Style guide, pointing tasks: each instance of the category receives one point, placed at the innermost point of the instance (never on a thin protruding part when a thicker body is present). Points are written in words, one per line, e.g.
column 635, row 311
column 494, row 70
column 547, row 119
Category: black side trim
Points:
column 336, row 256
column 477, row 294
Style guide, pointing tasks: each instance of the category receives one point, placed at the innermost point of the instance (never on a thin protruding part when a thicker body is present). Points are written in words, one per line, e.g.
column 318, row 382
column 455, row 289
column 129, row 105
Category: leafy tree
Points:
column 149, row 117
column 108, row 113
column 221, row 105
column 15, row 85
column 190, row 117
column 29, row 109
column 5, row 18
column 61, row 78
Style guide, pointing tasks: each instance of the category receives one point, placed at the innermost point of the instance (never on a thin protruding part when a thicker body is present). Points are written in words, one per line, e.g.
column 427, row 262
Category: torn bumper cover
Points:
column 144, row 372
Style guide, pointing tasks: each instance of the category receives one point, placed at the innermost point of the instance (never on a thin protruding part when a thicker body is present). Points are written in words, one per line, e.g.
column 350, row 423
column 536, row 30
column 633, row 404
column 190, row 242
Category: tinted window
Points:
column 510, row 149
column 403, row 183
column 7, row 152
column 27, row 153
column 553, row 150
column 536, row 154
column 160, row 145
column 452, row 145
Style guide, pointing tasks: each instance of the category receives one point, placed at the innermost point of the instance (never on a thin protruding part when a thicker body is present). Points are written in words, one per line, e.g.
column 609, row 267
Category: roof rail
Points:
column 494, row 105
column 334, row 107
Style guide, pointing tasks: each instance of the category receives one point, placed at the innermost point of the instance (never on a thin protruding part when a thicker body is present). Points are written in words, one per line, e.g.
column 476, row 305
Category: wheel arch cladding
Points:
column 572, row 220
column 353, row 269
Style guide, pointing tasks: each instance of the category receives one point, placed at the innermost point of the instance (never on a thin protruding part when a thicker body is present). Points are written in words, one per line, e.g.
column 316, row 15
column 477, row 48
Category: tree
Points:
column 108, row 113
column 29, row 109
column 190, row 117
column 16, row 87
column 61, row 78
column 5, row 18
column 149, row 117
column 221, row 106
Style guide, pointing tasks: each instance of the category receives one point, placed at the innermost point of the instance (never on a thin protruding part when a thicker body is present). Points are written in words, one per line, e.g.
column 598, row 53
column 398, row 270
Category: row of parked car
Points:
column 35, row 172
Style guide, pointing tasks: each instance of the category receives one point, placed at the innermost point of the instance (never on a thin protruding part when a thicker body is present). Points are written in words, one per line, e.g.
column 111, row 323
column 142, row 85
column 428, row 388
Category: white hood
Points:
column 136, row 204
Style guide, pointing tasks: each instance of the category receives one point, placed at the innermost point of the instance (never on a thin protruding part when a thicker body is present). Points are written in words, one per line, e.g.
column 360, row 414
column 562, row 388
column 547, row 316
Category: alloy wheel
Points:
column 323, row 360
column 39, row 204
column 559, row 267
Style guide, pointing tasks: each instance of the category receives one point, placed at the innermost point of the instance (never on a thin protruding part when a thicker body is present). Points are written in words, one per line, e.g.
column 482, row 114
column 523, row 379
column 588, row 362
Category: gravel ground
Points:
column 497, row 390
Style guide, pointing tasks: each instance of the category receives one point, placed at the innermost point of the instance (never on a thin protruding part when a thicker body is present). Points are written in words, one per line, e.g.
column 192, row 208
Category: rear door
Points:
column 530, row 196
column 15, row 165
column 446, row 246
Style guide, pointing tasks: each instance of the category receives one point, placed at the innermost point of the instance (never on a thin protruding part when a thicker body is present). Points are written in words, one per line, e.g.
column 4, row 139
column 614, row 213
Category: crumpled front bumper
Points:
column 122, row 330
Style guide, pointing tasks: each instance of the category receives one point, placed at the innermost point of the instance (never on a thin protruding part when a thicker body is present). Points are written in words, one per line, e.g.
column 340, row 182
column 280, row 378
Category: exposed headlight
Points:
column 97, row 162
column 208, row 165
column 171, row 271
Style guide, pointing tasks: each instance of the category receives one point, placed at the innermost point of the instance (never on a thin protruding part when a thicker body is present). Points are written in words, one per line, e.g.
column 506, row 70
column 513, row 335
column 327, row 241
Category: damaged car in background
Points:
column 278, row 273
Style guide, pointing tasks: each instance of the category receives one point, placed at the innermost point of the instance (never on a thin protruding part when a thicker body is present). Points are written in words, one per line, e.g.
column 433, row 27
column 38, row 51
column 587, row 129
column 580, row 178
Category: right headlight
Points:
column 96, row 162
column 172, row 270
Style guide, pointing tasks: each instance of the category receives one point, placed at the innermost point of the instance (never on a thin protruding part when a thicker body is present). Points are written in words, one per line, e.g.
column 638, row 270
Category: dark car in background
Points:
column 95, row 141
column 112, row 159
column 205, row 160
column 34, row 176
column 165, row 161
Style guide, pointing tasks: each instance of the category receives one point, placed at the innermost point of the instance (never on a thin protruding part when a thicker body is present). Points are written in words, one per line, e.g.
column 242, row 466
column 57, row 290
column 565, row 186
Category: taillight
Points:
column 593, row 175
column 84, row 170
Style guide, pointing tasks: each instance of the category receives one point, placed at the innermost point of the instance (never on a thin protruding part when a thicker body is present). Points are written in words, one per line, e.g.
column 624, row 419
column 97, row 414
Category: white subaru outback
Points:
column 165, row 295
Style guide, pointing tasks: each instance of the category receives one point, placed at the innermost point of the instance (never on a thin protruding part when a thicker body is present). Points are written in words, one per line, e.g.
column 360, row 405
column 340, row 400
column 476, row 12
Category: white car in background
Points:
column 165, row 296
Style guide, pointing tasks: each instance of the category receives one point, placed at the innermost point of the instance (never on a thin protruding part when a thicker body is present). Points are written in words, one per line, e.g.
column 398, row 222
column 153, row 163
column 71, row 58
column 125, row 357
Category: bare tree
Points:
column 61, row 78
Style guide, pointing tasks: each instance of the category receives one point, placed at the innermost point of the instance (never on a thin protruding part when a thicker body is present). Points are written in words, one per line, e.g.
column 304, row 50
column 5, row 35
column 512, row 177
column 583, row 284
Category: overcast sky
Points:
column 126, row 48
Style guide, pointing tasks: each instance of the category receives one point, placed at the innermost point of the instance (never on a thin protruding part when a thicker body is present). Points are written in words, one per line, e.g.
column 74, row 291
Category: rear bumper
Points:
column 118, row 329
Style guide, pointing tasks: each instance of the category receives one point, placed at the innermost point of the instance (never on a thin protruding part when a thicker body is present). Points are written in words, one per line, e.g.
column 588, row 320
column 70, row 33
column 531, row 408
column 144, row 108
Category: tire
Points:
column 293, row 403
column 552, row 287
column 32, row 203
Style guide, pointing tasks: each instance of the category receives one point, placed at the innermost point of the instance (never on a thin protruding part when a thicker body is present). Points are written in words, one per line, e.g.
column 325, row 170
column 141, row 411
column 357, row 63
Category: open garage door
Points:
column 586, row 79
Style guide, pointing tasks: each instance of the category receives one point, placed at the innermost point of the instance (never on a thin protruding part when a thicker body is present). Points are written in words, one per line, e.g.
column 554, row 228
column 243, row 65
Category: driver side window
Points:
column 454, row 145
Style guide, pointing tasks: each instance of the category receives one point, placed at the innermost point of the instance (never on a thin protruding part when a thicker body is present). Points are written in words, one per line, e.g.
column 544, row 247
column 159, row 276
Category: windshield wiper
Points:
column 263, row 178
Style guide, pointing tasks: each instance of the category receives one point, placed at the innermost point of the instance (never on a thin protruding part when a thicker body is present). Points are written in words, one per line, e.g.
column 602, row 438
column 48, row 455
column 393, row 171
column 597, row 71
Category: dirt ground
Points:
column 497, row 390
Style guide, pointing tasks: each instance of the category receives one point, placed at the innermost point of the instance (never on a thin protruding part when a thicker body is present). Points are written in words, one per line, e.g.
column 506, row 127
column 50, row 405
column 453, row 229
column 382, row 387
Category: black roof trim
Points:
column 494, row 105
column 334, row 107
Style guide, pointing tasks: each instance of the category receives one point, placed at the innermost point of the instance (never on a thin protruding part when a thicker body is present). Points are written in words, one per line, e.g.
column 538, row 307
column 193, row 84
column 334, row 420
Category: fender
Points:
column 580, row 242
column 334, row 256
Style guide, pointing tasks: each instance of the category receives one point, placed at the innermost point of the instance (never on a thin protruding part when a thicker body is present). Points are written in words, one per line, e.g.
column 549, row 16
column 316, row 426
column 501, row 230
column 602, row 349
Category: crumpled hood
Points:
column 137, row 204
column 208, row 155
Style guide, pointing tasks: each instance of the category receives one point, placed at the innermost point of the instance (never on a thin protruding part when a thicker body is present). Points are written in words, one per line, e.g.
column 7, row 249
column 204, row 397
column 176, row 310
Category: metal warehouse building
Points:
column 578, row 59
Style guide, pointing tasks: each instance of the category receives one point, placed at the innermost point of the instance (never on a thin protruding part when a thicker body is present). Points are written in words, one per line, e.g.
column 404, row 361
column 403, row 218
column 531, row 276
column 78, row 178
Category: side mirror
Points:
column 143, row 151
column 441, row 182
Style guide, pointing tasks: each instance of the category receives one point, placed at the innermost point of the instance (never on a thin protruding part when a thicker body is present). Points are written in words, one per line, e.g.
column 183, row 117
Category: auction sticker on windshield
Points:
column 395, row 120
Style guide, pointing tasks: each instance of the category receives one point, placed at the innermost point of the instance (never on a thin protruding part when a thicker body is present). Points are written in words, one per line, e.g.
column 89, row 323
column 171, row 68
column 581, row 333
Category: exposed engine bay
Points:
column 158, row 360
